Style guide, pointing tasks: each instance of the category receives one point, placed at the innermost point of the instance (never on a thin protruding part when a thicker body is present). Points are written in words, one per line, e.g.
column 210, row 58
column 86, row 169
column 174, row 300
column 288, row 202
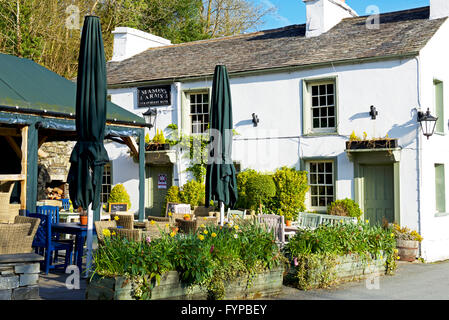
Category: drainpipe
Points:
column 418, row 147
column 177, row 86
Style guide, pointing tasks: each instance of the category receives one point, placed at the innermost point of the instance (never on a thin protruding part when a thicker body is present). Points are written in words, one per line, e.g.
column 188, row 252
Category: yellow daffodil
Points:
column 202, row 226
column 205, row 232
column 113, row 233
column 152, row 222
column 167, row 225
column 398, row 257
column 204, row 218
column 169, row 214
column 367, row 221
column 392, row 234
column 116, row 218
column 172, row 234
column 106, row 232
column 236, row 227
column 201, row 237
column 213, row 235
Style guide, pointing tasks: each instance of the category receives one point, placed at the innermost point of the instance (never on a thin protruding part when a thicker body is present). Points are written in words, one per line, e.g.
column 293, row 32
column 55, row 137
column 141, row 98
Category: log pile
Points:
column 54, row 193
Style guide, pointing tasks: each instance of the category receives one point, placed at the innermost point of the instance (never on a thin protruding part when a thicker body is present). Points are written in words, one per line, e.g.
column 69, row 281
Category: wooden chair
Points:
column 237, row 213
column 202, row 211
column 129, row 234
column 274, row 223
column 44, row 243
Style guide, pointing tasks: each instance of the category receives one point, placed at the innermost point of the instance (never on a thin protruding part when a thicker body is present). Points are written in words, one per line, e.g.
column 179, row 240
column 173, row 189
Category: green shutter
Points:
column 440, row 191
column 439, row 106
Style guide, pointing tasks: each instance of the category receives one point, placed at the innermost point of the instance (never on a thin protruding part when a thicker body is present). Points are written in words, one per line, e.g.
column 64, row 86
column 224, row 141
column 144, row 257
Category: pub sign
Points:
column 154, row 96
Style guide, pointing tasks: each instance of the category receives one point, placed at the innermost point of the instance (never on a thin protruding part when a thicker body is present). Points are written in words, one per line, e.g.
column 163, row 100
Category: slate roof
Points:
column 400, row 33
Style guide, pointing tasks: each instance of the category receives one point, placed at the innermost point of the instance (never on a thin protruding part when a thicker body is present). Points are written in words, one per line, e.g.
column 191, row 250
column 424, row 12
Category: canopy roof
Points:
column 27, row 87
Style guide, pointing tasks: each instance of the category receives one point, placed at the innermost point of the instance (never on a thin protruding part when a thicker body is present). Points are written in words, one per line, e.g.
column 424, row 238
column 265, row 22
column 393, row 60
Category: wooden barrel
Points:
column 407, row 249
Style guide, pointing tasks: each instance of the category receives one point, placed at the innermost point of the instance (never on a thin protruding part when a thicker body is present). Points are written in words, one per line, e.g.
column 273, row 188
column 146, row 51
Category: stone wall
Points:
column 19, row 276
column 55, row 157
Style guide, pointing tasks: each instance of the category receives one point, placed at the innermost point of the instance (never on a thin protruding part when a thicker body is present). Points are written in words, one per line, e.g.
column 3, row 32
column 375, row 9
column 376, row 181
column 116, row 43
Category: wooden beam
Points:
column 23, row 192
column 14, row 146
column 131, row 143
column 13, row 132
column 12, row 177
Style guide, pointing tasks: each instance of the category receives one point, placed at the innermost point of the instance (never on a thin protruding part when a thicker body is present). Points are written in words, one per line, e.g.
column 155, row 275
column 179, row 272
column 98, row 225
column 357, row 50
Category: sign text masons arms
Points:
column 154, row 96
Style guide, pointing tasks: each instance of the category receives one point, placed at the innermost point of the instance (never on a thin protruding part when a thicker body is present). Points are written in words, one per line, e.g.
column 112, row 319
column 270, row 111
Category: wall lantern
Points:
column 427, row 122
column 150, row 117
column 373, row 113
column 255, row 119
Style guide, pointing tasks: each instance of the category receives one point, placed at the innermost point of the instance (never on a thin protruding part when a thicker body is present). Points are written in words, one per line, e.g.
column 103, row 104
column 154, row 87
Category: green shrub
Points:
column 173, row 195
column 242, row 180
column 194, row 193
column 291, row 188
column 259, row 189
column 119, row 195
column 346, row 207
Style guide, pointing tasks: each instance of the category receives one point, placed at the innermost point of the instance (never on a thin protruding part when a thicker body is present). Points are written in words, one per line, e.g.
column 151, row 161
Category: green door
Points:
column 378, row 193
column 159, row 179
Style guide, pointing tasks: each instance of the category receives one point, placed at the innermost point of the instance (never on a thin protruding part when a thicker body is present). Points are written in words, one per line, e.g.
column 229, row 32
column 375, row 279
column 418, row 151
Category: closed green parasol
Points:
column 221, row 183
column 89, row 155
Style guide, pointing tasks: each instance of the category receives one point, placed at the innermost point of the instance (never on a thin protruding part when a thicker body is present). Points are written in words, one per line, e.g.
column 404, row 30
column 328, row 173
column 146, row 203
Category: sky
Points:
column 288, row 12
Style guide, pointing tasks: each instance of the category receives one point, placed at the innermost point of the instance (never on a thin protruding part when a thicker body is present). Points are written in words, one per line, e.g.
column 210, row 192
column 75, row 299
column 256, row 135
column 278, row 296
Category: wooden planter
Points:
column 264, row 284
column 157, row 146
column 372, row 144
column 407, row 249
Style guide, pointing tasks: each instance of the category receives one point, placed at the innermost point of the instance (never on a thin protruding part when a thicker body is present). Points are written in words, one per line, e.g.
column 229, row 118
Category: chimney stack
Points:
column 439, row 9
column 323, row 15
column 129, row 42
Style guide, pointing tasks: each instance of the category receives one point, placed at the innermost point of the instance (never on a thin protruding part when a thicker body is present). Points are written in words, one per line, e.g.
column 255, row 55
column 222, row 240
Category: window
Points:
column 320, row 107
column 439, row 106
column 199, row 111
column 440, row 189
column 321, row 182
column 106, row 184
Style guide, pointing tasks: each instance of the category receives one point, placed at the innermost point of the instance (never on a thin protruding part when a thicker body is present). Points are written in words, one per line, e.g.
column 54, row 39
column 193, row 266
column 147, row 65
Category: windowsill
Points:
column 440, row 133
column 319, row 134
column 441, row 214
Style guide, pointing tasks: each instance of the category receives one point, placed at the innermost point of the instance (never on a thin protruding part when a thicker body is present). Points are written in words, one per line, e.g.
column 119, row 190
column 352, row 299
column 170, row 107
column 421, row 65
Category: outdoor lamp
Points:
column 255, row 119
column 373, row 112
column 427, row 122
column 150, row 116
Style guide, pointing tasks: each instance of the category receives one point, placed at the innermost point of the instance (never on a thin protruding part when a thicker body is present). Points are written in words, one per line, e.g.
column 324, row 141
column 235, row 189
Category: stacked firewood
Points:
column 54, row 193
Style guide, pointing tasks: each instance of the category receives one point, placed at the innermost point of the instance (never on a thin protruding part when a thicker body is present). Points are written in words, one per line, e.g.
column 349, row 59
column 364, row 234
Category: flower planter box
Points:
column 264, row 284
column 407, row 249
column 350, row 267
column 372, row 144
column 157, row 146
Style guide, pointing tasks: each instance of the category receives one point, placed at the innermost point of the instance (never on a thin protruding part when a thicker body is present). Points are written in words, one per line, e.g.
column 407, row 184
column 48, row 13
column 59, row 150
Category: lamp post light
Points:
column 150, row 117
column 427, row 122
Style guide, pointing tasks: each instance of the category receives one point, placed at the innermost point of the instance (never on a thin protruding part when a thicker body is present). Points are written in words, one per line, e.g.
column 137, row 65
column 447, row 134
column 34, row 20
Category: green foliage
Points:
column 343, row 239
column 208, row 258
column 291, row 188
column 159, row 137
column 119, row 195
column 346, row 207
column 242, row 180
column 259, row 189
column 194, row 193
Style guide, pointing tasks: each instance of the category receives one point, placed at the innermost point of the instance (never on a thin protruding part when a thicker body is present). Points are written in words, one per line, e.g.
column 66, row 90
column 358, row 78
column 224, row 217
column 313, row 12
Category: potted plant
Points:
column 158, row 142
column 407, row 242
column 356, row 143
column 187, row 216
column 83, row 217
column 288, row 219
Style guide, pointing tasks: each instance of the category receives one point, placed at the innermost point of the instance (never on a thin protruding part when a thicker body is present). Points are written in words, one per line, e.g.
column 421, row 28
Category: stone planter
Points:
column 407, row 249
column 170, row 288
column 350, row 267
column 157, row 146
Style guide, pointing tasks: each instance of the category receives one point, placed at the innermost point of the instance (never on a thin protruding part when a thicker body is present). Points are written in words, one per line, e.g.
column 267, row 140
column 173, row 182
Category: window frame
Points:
column 438, row 196
column 439, row 111
column 307, row 113
column 306, row 166
column 109, row 165
column 186, row 112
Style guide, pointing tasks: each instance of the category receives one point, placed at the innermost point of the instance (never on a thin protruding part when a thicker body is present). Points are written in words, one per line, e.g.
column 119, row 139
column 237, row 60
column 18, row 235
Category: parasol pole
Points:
column 221, row 213
column 90, row 219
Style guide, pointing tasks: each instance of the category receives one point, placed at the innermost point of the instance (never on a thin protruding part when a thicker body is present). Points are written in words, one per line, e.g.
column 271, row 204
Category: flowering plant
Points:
column 405, row 233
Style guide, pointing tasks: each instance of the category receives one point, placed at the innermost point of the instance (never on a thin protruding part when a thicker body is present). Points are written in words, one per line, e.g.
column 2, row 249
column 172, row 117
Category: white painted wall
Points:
column 434, row 65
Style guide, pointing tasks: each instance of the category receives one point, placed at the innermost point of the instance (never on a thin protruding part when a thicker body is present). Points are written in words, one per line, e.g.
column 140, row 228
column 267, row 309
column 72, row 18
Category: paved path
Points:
column 412, row 281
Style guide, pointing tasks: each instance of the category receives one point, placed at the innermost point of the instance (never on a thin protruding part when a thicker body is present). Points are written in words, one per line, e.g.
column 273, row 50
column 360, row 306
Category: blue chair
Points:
column 66, row 204
column 45, row 244
column 51, row 211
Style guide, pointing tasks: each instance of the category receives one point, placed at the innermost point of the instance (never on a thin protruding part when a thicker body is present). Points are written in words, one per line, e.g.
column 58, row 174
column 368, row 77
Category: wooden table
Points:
column 80, row 233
